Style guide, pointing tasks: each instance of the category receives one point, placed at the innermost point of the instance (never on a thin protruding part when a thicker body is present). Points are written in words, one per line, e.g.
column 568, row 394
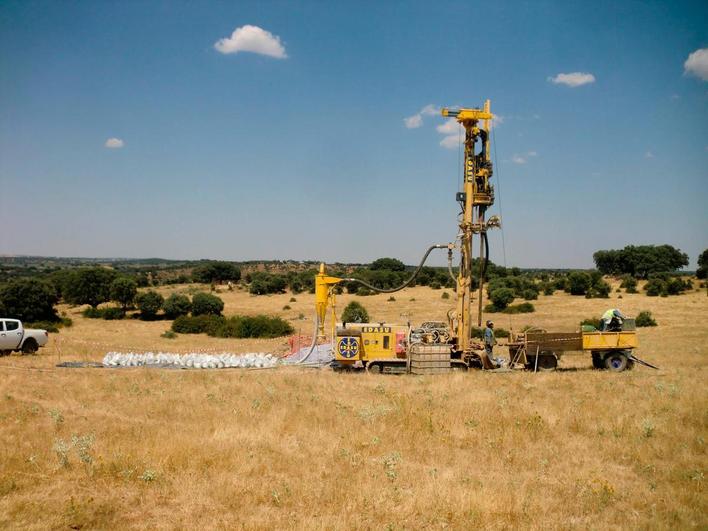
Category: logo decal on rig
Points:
column 348, row 347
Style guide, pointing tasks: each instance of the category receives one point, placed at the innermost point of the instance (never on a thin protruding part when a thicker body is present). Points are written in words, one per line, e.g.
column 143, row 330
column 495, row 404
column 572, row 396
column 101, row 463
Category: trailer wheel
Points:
column 597, row 360
column 616, row 362
column 547, row 362
column 30, row 346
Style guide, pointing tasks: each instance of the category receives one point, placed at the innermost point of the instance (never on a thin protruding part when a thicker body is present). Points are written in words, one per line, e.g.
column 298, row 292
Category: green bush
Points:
column 123, row 291
column 168, row 334
column 629, row 284
column 655, row 287
column 44, row 325
column 644, row 318
column 445, row 295
column 29, row 300
column 265, row 283
column 501, row 298
column 177, row 304
column 578, row 283
column 206, row 304
column 354, row 312
column 600, row 289
column 592, row 321
column 149, row 303
column 112, row 313
column 92, row 313
column 530, row 295
column 524, row 307
column 200, row 324
column 258, row 326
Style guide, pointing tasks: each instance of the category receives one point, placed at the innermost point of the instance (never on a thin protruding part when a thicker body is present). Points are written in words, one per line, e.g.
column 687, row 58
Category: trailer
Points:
column 539, row 350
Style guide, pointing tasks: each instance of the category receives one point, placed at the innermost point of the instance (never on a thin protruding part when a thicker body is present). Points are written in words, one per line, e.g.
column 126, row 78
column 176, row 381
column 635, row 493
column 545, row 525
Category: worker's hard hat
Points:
column 489, row 323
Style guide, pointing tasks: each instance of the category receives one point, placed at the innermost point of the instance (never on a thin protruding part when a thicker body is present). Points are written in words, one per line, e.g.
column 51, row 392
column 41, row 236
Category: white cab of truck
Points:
column 15, row 337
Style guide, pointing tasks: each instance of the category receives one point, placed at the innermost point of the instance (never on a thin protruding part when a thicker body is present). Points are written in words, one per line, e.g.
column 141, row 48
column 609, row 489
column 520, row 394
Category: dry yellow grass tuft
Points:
column 135, row 448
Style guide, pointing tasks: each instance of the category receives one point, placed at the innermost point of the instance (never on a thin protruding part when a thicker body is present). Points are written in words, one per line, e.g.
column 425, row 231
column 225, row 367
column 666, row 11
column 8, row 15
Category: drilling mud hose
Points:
column 407, row 282
column 486, row 256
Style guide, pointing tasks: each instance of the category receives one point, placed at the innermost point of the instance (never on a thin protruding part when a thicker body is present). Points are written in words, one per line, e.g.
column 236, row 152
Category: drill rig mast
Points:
column 475, row 197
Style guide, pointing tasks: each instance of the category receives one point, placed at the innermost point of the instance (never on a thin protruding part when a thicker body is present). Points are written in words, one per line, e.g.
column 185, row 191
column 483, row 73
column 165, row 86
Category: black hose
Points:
column 407, row 282
column 486, row 257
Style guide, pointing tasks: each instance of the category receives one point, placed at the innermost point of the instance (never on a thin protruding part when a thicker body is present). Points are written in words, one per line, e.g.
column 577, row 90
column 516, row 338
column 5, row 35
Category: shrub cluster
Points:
column 644, row 318
column 258, row 326
column 175, row 305
column 663, row 284
column 354, row 312
column 629, row 284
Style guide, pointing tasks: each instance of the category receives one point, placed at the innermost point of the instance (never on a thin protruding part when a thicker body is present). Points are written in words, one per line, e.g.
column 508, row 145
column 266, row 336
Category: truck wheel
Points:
column 30, row 346
column 597, row 361
column 616, row 362
column 374, row 368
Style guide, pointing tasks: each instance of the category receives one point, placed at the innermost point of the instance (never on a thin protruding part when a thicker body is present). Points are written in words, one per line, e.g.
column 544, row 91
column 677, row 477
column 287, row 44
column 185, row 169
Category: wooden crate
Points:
column 429, row 359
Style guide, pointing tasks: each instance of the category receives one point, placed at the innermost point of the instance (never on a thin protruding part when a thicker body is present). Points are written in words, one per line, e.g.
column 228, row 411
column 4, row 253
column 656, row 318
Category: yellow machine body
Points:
column 365, row 342
column 610, row 340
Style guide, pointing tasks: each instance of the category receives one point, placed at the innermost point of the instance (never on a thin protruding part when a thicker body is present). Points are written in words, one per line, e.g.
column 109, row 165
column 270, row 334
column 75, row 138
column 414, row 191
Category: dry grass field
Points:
column 313, row 449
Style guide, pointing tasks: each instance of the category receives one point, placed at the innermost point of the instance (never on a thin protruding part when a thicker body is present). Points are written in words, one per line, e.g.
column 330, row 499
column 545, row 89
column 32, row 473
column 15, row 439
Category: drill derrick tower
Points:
column 475, row 197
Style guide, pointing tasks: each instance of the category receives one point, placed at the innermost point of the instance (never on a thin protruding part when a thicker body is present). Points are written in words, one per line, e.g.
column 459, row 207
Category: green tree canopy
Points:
column 702, row 270
column 640, row 260
column 28, row 300
column 391, row 264
column 149, row 304
column 123, row 291
column 91, row 285
column 176, row 305
column 216, row 272
column 206, row 304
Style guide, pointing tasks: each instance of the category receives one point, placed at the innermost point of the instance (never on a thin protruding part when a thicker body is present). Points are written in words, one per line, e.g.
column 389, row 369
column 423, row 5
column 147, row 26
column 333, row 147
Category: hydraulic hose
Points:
column 407, row 282
column 486, row 257
column 314, row 342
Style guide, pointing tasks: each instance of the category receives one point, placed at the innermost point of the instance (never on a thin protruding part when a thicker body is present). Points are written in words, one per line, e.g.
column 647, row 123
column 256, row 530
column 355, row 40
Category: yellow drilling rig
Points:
column 437, row 346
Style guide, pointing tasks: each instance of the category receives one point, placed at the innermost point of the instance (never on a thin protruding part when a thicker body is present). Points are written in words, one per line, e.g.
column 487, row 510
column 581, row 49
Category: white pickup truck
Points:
column 15, row 337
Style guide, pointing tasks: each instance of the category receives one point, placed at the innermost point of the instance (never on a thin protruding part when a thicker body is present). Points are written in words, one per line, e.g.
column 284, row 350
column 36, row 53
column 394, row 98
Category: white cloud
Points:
column 497, row 120
column 451, row 126
column 415, row 121
column 574, row 79
column 524, row 157
column 697, row 64
column 114, row 143
column 648, row 155
column 252, row 39
column 451, row 141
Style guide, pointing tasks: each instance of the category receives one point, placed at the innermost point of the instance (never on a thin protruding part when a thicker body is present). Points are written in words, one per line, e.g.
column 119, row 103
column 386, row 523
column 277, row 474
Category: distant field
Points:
column 313, row 449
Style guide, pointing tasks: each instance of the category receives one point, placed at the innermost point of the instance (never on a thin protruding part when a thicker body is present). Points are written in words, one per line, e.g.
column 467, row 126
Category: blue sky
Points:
column 298, row 148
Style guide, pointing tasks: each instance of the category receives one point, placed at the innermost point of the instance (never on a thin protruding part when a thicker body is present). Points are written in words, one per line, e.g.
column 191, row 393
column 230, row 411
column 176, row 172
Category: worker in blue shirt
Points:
column 489, row 340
